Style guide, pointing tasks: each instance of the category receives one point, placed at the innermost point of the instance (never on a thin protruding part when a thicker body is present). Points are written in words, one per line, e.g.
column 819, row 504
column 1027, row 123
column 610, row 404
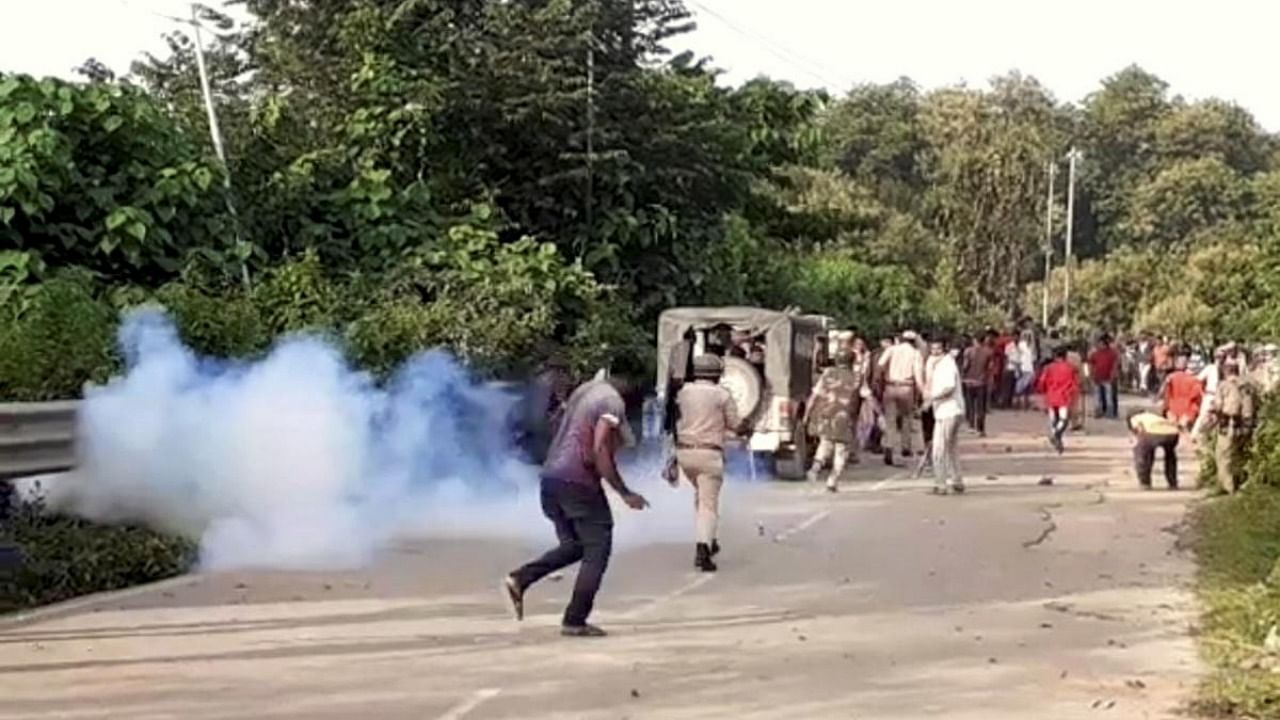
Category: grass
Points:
column 1237, row 542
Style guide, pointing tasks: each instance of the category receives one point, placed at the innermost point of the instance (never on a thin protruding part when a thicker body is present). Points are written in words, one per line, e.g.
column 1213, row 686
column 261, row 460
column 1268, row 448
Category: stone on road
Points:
column 1017, row 600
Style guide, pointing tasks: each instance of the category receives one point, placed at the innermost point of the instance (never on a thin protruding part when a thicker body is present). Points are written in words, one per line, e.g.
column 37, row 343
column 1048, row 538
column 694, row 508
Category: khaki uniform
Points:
column 1233, row 408
column 833, row 419
column 707, row 414
column 903, row 367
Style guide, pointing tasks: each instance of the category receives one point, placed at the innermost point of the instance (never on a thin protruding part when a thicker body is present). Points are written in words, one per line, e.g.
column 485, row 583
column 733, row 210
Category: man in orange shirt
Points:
column 1182, row 394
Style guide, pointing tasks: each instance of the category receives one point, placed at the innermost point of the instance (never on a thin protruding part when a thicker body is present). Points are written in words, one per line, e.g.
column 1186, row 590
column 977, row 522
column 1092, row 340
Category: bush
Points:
column 65, row 557
column 1237, row 543
column 53, row 338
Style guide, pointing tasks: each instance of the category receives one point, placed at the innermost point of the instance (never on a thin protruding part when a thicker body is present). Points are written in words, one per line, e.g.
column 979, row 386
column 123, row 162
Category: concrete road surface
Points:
column 1015, row 601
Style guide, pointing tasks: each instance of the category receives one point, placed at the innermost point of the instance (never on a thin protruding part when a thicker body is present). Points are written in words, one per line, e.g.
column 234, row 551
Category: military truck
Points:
column 772, row 361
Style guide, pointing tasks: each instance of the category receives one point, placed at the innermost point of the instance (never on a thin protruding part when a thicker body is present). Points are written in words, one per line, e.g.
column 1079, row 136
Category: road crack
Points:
column 1050, row 528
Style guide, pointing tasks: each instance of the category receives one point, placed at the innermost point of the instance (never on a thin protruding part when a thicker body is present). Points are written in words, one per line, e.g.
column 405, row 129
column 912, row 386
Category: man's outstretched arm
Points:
column 604, row 447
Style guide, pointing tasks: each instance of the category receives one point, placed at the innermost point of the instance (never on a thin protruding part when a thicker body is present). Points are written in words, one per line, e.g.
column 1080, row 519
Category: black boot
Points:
column 888, row 457
column 702, row 558
column 715, row 548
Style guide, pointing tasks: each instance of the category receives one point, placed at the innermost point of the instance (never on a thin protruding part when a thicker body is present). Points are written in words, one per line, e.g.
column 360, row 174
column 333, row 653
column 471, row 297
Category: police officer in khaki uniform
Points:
column 903, row 367
column 707, row 414
column 831, row 416
column 1234, row 409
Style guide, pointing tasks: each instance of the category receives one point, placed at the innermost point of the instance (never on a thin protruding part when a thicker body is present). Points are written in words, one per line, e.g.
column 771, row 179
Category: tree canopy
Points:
column 483, row 174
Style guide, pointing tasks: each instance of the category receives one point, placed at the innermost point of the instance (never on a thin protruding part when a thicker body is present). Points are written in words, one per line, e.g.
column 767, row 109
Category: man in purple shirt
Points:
column 593, row 426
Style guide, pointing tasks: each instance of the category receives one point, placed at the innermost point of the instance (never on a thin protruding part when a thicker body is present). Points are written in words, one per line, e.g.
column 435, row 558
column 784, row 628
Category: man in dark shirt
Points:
column 977, row 370
column 593, row 425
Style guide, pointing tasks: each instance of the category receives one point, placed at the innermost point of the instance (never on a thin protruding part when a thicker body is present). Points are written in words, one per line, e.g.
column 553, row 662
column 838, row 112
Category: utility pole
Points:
column 215, row 133
column 1048, row 244
column 1072, row 158
column 591, row 135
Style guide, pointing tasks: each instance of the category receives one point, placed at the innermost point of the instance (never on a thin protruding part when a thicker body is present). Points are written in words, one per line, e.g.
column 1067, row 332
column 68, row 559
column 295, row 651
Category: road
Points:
column 1017, row 600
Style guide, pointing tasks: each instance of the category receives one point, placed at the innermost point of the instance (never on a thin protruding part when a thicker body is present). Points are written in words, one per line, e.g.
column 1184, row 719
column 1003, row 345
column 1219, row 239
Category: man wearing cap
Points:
column 831, row 416
column 1152, row 431
column 1234, row 409
column 903, row 368
column 582, row 454
column 707, row 414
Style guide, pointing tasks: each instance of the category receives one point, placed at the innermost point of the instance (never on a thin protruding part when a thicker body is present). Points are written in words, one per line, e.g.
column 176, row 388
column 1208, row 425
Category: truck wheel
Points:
column 793, row 464
column 744, row 383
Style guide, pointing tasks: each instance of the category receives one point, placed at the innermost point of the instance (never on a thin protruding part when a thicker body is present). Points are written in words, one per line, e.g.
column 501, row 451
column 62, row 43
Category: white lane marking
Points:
column 478, row 698
column 809, row 522
column 656, row 603
column 882, row 484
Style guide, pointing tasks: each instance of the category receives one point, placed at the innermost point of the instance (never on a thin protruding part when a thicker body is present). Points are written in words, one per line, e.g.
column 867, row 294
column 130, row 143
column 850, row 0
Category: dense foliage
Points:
column 413, row 172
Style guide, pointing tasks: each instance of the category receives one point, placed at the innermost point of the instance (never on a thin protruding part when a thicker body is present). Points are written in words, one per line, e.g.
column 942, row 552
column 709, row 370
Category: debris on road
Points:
column 1046, row 481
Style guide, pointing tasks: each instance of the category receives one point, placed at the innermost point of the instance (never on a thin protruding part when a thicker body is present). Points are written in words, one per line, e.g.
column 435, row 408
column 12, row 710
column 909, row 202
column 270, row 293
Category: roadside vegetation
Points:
column 64, row 557
column 1237, row 543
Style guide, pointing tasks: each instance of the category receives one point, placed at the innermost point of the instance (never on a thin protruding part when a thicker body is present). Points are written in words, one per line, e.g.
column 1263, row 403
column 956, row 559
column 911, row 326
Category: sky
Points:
column 1223, row 48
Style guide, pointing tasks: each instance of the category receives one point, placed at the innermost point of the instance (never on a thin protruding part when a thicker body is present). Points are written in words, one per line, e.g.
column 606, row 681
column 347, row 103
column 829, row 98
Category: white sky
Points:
column 1223, row 48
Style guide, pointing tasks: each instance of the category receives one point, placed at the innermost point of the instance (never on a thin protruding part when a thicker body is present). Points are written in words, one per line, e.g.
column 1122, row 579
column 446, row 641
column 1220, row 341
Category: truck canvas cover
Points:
column 786, row 336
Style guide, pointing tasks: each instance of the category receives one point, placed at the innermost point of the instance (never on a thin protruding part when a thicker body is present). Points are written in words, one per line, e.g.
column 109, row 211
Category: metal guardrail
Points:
column 37, row 438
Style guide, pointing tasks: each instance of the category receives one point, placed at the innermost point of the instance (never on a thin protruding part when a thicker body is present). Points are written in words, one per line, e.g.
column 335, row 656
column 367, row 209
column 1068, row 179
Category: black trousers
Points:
column 975, row 406
column 584, row 527
column 1144, row 458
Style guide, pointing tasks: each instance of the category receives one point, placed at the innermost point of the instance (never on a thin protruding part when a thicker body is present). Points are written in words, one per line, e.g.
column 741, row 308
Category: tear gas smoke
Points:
column 298, row 461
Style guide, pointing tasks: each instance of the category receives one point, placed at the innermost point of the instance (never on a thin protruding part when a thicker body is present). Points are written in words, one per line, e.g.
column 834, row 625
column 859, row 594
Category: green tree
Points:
column 99, row 176
column 986, row 199
column 1181, row 199
column 875, row 135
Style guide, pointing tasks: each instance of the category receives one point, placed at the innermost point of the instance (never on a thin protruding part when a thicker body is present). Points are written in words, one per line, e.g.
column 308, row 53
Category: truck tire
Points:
column 744, row 383
column 793, row 463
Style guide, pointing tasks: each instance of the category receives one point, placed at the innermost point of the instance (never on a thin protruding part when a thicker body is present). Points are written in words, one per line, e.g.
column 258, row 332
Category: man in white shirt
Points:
column 903, row 368
column 1209, row 378
column 945, row 393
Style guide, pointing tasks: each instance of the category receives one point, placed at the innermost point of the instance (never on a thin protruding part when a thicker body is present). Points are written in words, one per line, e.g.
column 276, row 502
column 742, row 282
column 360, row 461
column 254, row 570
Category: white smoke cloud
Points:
column 298, row 461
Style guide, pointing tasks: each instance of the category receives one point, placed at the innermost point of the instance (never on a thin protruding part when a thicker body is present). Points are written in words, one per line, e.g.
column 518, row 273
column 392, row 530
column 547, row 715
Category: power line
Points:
column 792, row 58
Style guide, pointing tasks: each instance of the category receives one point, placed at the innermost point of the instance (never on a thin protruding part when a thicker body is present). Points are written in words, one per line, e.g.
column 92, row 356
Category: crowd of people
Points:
column 931, row 385
column 910, row 394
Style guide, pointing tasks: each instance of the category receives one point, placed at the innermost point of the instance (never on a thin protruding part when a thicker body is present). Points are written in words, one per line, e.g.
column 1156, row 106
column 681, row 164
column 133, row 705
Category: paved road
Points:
column 1015, row 601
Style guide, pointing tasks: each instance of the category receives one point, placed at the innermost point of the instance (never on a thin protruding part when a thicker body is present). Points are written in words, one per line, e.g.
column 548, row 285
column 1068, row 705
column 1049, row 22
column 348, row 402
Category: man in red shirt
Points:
column 1058, row 385
column 1104, row 362
column 1182, row 393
